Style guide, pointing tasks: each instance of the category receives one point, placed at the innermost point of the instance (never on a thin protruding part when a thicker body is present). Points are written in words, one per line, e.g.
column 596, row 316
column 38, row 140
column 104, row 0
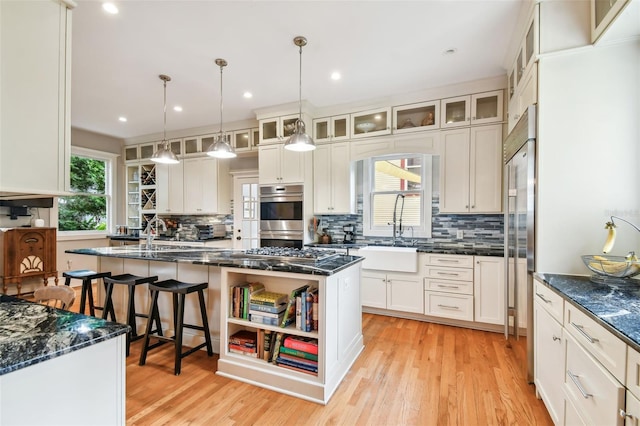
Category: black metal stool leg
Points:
column 92, row 310
column 152, row 311
column 178, row 337
column 108, row 304
column 205, row 323
column 83, row 295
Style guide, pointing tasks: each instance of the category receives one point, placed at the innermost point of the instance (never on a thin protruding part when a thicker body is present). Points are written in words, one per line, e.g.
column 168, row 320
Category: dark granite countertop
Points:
column 615, row 306
column 437, row 248
column 222, row 257
column 31, row 333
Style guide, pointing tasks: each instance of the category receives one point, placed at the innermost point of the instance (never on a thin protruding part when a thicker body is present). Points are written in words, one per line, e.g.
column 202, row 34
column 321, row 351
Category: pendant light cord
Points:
column 221, row 104
column 300, row 87
column 164, row 131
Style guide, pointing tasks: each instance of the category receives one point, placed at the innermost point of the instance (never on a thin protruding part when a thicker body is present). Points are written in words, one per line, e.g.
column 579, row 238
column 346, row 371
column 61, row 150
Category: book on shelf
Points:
column 302, row 367
column 240, row 298
column 275, row 349
column 278, row 315
column 301, row 370
column 307, row 323
column 266, row 346
column 261, row 319
column 234, row 349
column 268, row 298
column 299, row 311
column 266, row 308
column 314, row 309
column 299, row 354
column 302, row 361
column 302, row 343
column 290, row 311
column 244, row 337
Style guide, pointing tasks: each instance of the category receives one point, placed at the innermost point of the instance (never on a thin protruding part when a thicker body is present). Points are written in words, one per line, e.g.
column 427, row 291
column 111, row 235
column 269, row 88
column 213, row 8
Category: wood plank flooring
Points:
column 410, row 373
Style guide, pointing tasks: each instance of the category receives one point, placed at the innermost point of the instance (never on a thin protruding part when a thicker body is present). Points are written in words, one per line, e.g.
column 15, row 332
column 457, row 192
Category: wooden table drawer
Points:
column 594, row 392
column 456, row 261
column 551, row 301
column 448, row 286
column 448, row 305
column 444, row 273
column 600, row 342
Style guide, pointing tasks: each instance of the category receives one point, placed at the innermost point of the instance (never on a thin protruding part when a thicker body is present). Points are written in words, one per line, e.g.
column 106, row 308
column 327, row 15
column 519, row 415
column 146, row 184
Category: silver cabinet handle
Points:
column 448, row 286
column 450, row 274
column 623, row 414
column 448, row 260
column 556, row 339
column 449, row 307
column 576, row 382
column 584, row 333
column 541, row 296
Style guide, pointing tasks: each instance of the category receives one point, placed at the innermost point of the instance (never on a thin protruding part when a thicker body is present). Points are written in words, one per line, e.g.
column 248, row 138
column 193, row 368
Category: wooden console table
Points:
column 27, row 253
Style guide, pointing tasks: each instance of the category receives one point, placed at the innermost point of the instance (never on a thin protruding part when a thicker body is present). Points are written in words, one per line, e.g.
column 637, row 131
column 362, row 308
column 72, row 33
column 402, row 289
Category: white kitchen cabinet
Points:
column 448, row 286
column 146, row 150
column 331, row 129
column 369, row 123
column 631, row 412
column 471, row 170
column 593, row 391
column 35, row 117
column 245, row 140
column 132, row 178
column 416, row 117
column 394, row 291
column 170, row 186
column 603, row 13
column 549, row 354
column 278, row 129
column 192, row 145
column 488, row 289
column 207, row 186
column 131, row 153
column 455, row 112
column 277, row 165
column 332, row 182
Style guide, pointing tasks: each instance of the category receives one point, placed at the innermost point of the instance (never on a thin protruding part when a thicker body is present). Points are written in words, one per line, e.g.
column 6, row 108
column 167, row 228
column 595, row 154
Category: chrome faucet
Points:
column 397, row 224
column 148, row 229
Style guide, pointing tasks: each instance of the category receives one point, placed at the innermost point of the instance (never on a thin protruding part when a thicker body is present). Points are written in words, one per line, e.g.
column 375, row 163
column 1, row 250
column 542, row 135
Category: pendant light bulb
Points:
column 164, row 155
column 299, row 140
column 220, row 148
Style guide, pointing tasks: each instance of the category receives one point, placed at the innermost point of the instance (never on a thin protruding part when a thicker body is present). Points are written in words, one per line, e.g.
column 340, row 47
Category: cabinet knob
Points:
column 238, row 238
column 623, row 414
column 556, row 338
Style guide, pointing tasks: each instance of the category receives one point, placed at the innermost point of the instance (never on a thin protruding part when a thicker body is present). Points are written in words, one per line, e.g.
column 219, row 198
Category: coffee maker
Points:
column 349, row 234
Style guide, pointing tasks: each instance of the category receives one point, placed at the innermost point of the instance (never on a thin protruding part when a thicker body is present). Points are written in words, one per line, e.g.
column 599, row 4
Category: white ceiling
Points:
column 382, row 48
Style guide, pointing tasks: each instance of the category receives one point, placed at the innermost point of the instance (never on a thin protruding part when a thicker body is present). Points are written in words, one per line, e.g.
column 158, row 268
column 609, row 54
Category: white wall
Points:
column 588, row 153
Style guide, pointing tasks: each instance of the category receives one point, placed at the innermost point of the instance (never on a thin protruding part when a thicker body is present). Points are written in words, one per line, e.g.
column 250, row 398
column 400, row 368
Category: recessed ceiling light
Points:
column 247, row 95
column 450, row 51
column 335, row 75
column 110, row 8
column 123, row 119
column 177, row 108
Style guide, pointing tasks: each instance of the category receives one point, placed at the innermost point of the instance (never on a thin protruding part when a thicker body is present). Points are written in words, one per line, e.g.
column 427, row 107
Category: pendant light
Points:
column 221, row 148
column 299, row 140
column 164, row 154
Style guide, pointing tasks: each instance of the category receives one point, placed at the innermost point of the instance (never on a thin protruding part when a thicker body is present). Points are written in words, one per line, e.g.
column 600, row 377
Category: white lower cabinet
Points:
column 448, row 286
column 631, row 413
column 395, row 291
column 548, row 360
column 488, row 289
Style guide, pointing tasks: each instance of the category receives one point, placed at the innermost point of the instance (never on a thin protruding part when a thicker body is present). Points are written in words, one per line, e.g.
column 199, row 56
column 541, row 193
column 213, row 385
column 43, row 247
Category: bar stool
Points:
column 87, row 276
column 179, row 290
column 131, row 281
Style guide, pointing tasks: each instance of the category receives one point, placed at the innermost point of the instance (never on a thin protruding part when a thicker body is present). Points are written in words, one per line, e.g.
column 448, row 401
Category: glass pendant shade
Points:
column 220, row 148
column 164, row 155
column 300, row 141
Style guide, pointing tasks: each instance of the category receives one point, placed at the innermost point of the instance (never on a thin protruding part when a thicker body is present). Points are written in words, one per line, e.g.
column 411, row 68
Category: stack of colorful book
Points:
column 307, row 310
column 298, row 353
column 267, row 307
column 244, row 342
column 240, row 298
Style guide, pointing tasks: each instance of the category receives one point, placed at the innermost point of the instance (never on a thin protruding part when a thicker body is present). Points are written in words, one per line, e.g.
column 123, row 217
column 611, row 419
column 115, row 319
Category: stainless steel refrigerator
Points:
column 519, row 226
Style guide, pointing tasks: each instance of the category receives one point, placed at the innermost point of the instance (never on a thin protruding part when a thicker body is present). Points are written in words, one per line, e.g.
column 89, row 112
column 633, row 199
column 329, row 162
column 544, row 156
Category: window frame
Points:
column 422, row 231
column 110, row 192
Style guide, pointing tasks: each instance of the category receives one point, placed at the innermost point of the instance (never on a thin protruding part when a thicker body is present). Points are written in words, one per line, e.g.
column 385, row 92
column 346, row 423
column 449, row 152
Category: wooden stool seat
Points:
column 131, row 281
column 86, row 276
column 179, row 290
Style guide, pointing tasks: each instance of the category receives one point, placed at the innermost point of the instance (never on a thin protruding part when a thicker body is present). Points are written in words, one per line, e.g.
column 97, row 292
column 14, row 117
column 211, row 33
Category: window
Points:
column 399, row 184
column 90, row 210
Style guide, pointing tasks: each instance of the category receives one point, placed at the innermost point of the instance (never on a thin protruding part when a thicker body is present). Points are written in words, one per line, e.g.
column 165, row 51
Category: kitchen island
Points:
column 59, row 367
column 338, row 335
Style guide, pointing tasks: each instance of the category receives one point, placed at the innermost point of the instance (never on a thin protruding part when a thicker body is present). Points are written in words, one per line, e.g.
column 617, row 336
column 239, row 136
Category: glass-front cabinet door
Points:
column 321, row 132
column 207, row 141
column 416, row 117
column 192, row 145
column 331, row 128
column 371, row 123
column 288, row 125
column 269, row 130
column 603, row 12
column 242, row 140
column 147, row 150
column 255, row 137
column 455, row 111
column 175, row 145
column 487, row 107
column 133, row 196
column 131, row 153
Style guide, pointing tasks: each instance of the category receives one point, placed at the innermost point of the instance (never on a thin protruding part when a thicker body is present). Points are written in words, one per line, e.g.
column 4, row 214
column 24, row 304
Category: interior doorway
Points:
column 246, row 212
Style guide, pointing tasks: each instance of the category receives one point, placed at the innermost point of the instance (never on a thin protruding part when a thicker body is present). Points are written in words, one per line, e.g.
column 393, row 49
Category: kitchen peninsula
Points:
column 50, row 358
column 337, row 278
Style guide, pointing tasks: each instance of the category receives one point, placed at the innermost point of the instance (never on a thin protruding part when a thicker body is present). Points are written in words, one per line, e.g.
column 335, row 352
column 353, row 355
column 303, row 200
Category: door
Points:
column 246, row 218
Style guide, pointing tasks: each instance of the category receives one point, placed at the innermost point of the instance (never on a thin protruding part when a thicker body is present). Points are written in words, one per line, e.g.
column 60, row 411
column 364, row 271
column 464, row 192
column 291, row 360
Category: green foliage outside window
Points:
column 87, row 211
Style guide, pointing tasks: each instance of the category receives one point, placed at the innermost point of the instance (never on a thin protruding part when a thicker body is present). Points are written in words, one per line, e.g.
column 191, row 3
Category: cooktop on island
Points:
column 288, row 253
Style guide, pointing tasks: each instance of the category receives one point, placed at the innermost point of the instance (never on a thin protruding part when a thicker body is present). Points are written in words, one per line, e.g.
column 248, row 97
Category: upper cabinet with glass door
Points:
column 331, row 129
column 479, row 108
column 245, row 140
column 277, row 129
column 131, row 153
column 603, row 13
column 455, row 111
column 416, row 117
column 371, row 123
column 175, row 145
column 522, row 90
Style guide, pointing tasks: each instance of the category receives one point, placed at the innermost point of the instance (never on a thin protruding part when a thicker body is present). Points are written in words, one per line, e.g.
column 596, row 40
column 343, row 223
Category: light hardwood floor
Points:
column 410, row 373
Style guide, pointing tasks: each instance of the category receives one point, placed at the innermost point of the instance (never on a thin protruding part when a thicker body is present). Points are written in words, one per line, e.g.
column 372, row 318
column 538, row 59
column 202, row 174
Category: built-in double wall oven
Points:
column 281, row 216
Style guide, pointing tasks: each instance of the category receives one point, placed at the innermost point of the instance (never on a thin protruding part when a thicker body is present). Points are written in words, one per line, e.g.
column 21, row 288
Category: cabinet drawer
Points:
column 448, row 305
column 448, row 286
column 550, row 300
column 633, row 371
column 449, row 260
column 602, row 344
column 594, row 392
column 444, row 273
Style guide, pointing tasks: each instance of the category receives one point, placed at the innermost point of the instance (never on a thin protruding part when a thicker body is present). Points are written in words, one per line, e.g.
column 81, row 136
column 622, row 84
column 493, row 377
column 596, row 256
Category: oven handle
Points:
column 280, row 198
column 281, row 235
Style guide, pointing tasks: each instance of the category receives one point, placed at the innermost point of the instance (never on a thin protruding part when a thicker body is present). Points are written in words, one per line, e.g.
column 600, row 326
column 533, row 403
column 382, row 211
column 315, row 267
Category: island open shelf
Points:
column 339, row 333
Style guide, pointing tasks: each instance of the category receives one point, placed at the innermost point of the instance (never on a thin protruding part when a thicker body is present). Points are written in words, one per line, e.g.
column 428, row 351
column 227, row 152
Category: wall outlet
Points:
column 459, row 234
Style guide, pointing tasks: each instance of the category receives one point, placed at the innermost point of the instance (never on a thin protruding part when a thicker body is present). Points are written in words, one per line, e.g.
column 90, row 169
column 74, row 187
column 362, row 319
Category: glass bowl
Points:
column 612, row 266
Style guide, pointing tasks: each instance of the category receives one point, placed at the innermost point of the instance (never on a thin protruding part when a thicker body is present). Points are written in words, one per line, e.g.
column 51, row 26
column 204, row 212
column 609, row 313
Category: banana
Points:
column 611, row 237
